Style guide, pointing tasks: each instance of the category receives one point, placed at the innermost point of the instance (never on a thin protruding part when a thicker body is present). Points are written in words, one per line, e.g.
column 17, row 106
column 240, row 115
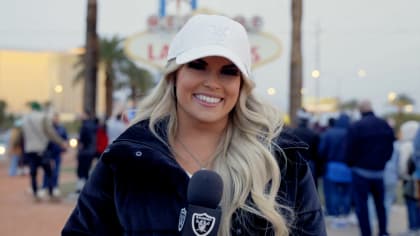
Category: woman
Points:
column 202, row 115
column 405, row 155
column 15, row 150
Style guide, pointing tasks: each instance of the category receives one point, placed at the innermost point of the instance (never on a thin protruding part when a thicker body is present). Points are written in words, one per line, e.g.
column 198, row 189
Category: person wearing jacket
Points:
column 310, row 137
column 405, row 152
column 202, row 115
column 38, row 130
column 416, row 156
column 369, row 146
column 337, row 178
column 86, row 148
column 55, row 154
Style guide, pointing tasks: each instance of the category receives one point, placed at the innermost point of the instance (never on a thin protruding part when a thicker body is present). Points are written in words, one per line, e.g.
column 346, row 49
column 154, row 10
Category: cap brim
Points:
column 211, row 50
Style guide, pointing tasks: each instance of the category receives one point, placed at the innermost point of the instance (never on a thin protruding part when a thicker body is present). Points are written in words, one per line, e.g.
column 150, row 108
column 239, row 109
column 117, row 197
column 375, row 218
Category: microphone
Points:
column 202, row 217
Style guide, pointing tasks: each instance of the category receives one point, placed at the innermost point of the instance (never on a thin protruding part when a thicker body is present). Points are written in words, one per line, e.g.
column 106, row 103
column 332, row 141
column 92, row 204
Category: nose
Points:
column 212, row 81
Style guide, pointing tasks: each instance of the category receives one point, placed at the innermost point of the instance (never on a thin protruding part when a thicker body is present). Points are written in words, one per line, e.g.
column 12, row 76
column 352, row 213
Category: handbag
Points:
column 338, row 172
column 411, row 188
column 411, row 185
column 46, row 156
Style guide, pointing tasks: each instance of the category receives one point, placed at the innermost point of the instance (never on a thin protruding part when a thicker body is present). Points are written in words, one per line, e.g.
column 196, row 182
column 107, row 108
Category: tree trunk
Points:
column 91, row 59
column 295, row 96
column 109, row 89
column 134, row 95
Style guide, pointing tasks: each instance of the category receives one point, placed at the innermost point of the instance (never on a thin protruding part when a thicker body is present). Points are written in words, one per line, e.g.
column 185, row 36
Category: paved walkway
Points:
column 21, row 216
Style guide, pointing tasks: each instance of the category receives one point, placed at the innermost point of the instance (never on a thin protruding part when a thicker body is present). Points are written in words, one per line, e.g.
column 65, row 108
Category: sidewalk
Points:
column 396, row 226
column 21, row 216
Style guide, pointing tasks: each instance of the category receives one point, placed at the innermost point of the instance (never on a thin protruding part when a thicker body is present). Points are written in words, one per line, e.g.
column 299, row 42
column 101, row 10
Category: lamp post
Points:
column 316, row 74
column 58, row 89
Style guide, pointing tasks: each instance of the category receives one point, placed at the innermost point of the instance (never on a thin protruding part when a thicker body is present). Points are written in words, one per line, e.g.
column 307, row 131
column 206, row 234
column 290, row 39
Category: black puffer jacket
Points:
column 137, row 188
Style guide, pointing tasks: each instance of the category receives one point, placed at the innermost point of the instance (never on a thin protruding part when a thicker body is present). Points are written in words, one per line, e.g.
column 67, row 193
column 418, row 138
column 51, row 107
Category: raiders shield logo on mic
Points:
column 202, row 223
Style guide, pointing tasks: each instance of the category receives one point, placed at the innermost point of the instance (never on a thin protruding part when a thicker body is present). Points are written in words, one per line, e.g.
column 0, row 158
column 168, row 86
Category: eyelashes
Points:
column 229, row 70
column 233, row 71
column 196, row 65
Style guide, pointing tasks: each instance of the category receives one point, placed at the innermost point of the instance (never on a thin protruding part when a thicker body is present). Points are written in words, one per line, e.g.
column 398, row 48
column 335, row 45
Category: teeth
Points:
column 208, row 99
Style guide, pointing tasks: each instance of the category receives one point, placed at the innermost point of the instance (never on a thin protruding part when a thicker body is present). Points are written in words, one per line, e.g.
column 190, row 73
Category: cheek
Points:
column 235, row 89
column 184, row 86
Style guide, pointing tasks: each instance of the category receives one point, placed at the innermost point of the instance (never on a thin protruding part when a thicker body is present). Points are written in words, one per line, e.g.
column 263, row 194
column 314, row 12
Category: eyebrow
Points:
column 201, row 61
column 230, row 66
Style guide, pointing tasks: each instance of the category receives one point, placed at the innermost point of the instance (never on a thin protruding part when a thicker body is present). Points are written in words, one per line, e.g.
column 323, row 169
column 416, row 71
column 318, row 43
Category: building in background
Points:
column 44, row 76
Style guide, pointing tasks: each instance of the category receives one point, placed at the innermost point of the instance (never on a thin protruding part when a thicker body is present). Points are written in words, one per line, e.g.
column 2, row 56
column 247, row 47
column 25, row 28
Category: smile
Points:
column 207, row 99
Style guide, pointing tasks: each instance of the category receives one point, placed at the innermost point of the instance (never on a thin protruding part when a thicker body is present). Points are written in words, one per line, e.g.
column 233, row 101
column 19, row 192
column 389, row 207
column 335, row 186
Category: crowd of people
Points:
column 361, row 162
column 39, row 140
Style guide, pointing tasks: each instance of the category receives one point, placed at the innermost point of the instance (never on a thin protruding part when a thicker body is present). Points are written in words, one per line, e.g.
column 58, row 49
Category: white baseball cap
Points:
column 212, row 35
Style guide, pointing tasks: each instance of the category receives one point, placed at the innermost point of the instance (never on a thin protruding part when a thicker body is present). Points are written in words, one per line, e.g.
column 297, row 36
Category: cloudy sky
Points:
column 381, row 38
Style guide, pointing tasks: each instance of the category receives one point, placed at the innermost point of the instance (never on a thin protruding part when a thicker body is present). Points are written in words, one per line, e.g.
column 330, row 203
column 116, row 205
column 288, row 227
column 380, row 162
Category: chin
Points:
column 209, row 118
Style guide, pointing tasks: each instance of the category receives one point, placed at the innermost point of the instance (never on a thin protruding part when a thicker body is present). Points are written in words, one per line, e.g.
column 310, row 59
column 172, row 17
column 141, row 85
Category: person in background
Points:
column 310, row 137
column 55, row 155
column 115, row 127
column 391, row 179
column 101, row 136
column 86, row 148
column 337, row 178
column 15, row 149
column 38, row 130
column 368, row 148
column 405, row 154
column 416, row 157
column 203, row 114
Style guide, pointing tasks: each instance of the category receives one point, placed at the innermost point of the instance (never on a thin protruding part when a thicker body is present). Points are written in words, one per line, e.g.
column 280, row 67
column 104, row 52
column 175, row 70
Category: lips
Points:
column 208, row 99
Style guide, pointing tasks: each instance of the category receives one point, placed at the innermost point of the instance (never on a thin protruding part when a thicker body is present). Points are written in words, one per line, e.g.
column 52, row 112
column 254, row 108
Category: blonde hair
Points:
column 245, row 160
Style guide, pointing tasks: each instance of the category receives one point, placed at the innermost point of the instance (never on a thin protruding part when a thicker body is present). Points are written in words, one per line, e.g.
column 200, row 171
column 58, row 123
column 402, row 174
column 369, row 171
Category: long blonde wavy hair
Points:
column 245, row 160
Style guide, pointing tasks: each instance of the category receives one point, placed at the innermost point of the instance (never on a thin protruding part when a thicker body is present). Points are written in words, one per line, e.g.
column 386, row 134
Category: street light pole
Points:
column 316, row 74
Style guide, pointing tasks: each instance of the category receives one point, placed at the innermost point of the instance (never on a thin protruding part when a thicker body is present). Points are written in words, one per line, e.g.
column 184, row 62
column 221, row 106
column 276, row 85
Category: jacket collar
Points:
column 140, row 131
column 287, row 140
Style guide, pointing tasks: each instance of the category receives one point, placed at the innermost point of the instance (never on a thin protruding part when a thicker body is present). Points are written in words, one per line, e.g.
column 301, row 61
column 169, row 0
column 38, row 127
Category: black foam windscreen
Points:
column 205, row 189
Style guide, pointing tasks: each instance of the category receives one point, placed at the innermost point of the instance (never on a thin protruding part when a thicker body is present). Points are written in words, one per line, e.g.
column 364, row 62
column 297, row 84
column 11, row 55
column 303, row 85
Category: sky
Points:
column 380, row 38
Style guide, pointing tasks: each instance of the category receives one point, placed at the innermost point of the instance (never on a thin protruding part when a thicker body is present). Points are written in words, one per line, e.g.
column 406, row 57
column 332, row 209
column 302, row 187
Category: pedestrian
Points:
column 55, row 154
column 86, row 148
column 337, row 178
column 203, row 114
column 369, row 146
column 416, row 156
column 310, row 137
column 38, row 130
column 15, row 149
column 115, row 126
column 101, row 136
column 405, row 151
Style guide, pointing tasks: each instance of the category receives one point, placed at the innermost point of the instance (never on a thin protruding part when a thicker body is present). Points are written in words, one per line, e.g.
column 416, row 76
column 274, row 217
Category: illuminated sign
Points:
column 151, row 46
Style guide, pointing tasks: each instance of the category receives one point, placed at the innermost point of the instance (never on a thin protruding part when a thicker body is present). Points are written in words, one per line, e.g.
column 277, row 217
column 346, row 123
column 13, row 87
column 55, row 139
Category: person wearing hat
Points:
column 38, row 130
column 203, row 114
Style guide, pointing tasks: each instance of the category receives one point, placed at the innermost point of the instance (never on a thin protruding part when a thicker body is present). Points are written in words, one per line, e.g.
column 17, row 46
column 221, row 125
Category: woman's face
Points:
column 207, row 89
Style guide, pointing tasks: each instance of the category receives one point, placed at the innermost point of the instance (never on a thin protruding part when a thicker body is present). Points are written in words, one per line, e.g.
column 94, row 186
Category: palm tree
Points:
column 90, row 59
column 295, row 97
column 349, row 105
column 111, row 56
column 3, row 106
column 401, row 101
column 140, row 81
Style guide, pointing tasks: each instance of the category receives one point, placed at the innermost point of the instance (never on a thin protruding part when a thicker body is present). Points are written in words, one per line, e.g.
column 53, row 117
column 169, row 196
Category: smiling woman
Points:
column 203, row 114
column 207, row 90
